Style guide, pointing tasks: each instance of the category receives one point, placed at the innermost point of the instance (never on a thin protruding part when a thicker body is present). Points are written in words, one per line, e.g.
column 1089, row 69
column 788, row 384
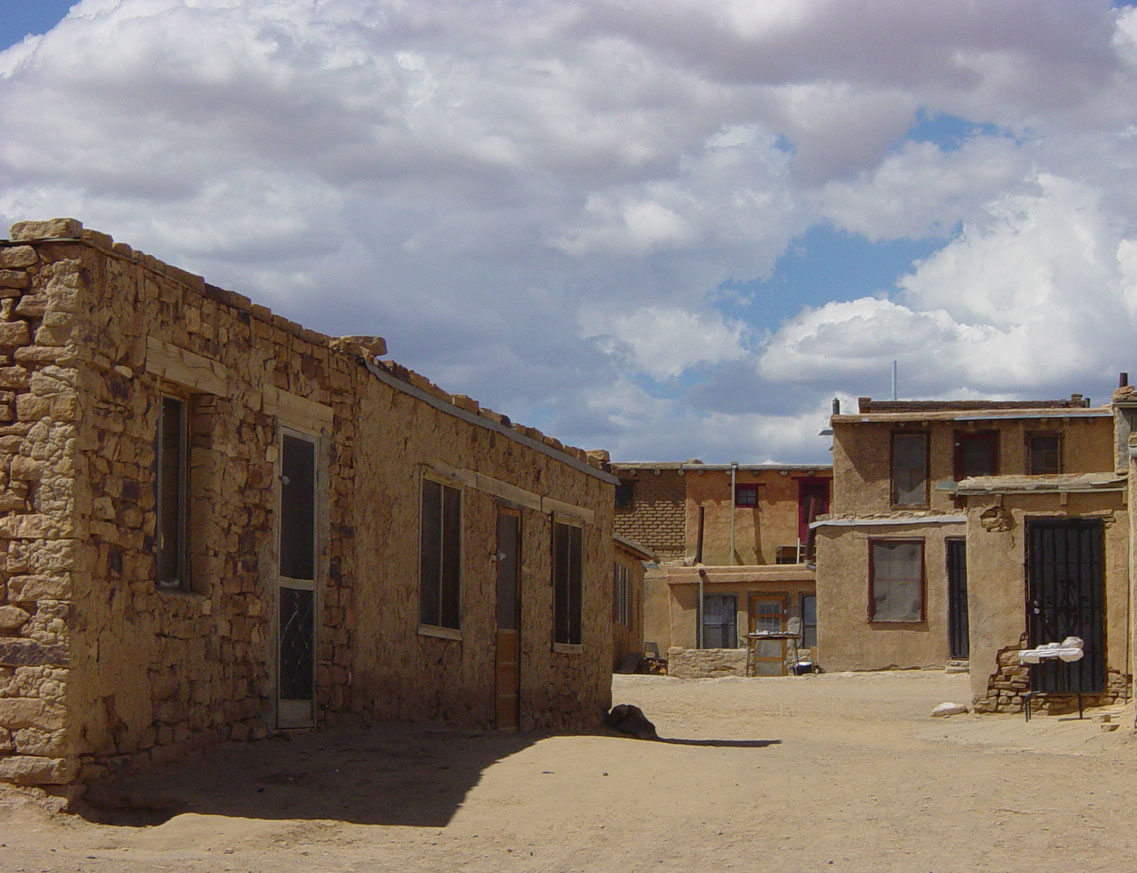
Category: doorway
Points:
column 1066, row 597
column 296, row 583
column 768, row 613
column 959, row 642
column 507, row 670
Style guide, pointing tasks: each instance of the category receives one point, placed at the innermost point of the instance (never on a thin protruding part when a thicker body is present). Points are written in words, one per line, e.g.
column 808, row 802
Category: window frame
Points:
column 180, row 579
column 805, row 625
column 621, row 595
column 568, row 585
column 733, row 614
column 434, row 623
column 960, row 437
column 1031, row 436
column 872, row 586
column 746, row 488
column 892, row 497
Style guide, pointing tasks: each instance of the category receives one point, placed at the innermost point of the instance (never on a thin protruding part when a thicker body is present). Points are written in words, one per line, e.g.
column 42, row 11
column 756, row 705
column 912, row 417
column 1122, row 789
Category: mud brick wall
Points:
column 656, row 517
column 100, row 668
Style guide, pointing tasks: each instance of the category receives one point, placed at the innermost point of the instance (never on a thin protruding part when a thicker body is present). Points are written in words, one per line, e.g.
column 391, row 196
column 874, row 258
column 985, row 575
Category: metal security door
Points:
column 959, row 642
column 508, row 659
column 1066, row 597
column 296, row 594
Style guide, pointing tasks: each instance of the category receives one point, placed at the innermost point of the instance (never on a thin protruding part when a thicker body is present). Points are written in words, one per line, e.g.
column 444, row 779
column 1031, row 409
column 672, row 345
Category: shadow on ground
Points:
column 395, row 774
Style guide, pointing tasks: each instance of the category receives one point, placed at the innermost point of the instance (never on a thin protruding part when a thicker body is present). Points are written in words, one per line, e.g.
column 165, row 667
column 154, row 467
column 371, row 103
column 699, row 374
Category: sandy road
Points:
column 834, row 772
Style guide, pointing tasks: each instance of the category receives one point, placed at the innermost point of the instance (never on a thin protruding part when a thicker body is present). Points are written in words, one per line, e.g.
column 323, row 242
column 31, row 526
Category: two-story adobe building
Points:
column 734, row 539
column 968, row 530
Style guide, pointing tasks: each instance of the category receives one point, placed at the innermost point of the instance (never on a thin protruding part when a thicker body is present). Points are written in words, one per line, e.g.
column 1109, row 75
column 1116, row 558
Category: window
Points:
column 909, row 469
column 976, row 454
column 172, row 485
column 567, row 553
column 808, row 620
column 1044, row 454
column 440, row 556
column 625, row 494
column 720, row 617
column 896, row 580
column 746, row 496
column 621, row 596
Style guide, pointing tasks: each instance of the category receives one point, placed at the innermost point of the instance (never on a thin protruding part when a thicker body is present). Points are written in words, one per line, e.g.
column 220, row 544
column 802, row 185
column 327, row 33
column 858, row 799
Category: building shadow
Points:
column 391, row 774
column 722, row 744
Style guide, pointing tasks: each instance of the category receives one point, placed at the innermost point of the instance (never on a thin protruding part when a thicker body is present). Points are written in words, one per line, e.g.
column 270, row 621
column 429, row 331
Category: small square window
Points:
column 976, row 454
column 896, row 580
column 746, row 496
column 1044, row 454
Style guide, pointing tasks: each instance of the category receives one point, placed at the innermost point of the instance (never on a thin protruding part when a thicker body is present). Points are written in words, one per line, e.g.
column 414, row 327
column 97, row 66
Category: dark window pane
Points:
column 977, row 454
column 171, row 493
column 451, row 557
column 720, row 613
column 1044, row 455
column 567, row 553
column 909, row 469
column 808, row 620
column 430, row 554
column 298, row 509
column 297, row 623
column 625, row 494
column 508, row 536
column 746, row 495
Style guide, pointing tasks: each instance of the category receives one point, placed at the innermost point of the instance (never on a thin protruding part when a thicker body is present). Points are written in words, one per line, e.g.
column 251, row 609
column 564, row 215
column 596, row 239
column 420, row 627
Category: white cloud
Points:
column 664, row 343
column 480, row 181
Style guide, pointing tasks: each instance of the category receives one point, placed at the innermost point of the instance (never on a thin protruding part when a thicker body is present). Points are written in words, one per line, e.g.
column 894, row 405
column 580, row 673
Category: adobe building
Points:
column 628, row 568
column 217, row 524
column 965, row 531
column 738, row 538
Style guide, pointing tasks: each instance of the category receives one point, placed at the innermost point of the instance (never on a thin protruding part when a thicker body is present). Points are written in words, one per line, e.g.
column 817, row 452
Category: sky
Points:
column 670, row 228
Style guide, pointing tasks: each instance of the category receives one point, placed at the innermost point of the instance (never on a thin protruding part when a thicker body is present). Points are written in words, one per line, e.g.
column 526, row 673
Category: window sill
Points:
column 568, row 648
column 442, row 633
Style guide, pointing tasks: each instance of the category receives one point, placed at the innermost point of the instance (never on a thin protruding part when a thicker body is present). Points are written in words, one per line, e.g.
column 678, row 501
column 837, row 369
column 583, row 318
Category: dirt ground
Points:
column 840, row 772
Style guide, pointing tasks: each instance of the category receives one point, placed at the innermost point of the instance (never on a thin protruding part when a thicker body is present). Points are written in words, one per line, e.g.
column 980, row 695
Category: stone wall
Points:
column 102, row 669
column 705, row 663
column 656, row 517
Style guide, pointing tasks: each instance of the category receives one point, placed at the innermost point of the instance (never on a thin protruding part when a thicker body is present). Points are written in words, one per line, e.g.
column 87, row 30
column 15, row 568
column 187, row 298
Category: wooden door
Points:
column 508, row 658
column 812, row 501
column 768, row 613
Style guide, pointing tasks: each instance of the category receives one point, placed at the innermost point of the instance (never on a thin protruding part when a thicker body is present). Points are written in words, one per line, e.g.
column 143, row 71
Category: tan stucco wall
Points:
column 100, row 669
column 862, row 455
column 996, row 578
column 758, row 531
column 629, row 638
column 846, row 639
column 657, row 609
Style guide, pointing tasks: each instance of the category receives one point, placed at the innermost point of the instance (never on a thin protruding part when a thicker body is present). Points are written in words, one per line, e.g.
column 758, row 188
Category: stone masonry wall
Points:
column 656, row 517
column 1008, row 685
column 99, row 668
column 39, row 541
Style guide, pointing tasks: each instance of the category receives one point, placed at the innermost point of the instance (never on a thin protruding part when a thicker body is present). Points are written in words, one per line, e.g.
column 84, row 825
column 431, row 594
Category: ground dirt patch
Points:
column 836, row 772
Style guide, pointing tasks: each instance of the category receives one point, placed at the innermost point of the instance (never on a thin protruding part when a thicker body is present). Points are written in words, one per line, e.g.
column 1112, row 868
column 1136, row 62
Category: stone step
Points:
column 958, row 665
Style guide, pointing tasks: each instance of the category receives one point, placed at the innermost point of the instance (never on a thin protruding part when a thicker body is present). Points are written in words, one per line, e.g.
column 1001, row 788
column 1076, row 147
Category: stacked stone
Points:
column 38, row 538
column 1008, row 685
